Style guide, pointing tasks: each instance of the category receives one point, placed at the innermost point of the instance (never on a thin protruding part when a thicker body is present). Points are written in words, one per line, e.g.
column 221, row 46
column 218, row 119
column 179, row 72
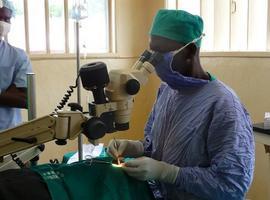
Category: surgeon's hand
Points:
column 145, row 168
column 125, row 148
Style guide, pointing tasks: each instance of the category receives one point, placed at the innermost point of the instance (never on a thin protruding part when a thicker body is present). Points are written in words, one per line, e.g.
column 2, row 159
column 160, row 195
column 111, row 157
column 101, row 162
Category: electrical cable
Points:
column 67, row 95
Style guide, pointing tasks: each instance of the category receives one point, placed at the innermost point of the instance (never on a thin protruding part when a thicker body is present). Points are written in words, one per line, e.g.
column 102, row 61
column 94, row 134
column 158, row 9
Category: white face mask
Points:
column 4, row 29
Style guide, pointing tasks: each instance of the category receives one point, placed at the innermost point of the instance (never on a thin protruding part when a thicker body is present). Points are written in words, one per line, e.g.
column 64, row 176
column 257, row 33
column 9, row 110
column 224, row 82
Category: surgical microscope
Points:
column 110, row 111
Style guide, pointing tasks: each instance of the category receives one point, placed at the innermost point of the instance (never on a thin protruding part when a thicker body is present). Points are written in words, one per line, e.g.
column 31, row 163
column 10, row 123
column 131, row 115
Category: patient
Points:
column 22, row 184
column 90, row 179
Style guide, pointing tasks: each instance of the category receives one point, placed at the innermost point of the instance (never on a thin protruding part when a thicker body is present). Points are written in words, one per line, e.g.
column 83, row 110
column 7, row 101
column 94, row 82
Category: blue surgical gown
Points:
column 14, row 64
column 207, row 133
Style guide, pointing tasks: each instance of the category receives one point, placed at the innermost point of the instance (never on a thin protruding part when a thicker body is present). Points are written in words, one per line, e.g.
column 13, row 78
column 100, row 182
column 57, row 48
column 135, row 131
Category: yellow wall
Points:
column 53, row 76
column 247, row 76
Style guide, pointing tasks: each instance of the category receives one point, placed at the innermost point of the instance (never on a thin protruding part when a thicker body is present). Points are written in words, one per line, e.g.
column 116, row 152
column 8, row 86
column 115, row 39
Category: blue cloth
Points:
column 207, row 133
column 14, row 64
column 173, row 78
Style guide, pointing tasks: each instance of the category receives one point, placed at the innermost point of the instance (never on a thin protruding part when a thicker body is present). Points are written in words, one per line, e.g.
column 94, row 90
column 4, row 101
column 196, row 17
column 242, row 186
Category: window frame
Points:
column 231, row 53
column 48, row 54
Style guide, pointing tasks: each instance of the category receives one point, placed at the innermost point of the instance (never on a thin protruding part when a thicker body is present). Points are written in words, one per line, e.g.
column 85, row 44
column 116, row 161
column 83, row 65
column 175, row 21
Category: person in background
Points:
column 198, row 140
column 14, row 64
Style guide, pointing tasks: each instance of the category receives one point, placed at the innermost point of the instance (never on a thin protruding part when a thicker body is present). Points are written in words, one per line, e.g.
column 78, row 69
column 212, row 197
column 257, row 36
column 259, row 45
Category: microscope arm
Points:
column 61, row 126
column 112, row 107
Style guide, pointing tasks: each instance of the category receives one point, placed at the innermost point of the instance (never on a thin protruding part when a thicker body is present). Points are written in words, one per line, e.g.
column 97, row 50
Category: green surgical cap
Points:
column 177, row 25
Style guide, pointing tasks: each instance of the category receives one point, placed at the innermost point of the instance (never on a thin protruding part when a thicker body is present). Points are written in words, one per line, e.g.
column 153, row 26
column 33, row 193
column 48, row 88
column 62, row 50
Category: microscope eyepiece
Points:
column 145, row 56
column 155, row 58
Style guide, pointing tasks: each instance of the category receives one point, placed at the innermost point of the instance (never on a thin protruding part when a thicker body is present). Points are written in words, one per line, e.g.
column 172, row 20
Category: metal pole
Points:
column 80, row 138
column 31, row 96
column 32, row 153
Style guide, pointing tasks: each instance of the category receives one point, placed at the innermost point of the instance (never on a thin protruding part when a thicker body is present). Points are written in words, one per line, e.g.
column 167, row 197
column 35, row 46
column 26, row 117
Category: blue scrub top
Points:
column 207, row 132
column 14, row 64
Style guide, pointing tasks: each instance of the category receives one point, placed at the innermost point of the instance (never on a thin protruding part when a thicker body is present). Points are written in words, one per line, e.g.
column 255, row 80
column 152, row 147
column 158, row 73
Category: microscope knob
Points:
column 94, row 128
column 132, row 86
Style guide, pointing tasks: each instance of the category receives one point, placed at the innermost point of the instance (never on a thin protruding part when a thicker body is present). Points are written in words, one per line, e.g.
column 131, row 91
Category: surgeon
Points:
column 198, row 140
column 14, row 64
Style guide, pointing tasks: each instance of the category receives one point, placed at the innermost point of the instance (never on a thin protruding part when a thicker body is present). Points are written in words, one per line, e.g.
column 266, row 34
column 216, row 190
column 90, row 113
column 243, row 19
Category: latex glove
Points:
column 125, row 148
column 145, row 168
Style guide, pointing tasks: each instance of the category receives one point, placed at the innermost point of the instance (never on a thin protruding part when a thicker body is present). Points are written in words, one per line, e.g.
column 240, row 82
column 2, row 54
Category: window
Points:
column 230, row 25
column 47, row 26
